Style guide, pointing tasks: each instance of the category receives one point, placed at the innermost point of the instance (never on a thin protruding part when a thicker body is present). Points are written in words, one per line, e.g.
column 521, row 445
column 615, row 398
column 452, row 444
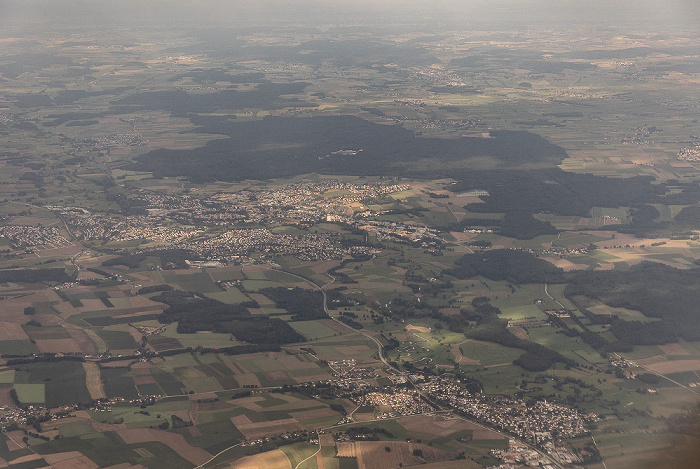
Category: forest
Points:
column 656, row 290
column 302, row 304
column 284, row 147
column 490, row 328
column 511, row 265
column 181, row 103
column 57, row 275
column 555, row 191
column 195, row 313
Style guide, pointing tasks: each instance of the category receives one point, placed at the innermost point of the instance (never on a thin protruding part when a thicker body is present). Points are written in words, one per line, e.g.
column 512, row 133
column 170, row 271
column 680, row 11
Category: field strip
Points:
column 93, row 381
column 101, row 344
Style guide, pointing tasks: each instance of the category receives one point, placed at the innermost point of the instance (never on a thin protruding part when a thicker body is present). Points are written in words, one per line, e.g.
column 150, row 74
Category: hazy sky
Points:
column 449, row 14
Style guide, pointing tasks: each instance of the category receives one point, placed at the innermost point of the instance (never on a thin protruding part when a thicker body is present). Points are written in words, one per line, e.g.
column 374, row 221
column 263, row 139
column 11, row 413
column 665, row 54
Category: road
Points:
column 380, row 347
column 551, row 297
column 312, row 456
column 70, row 233
column 380, row 350
column 649, row 370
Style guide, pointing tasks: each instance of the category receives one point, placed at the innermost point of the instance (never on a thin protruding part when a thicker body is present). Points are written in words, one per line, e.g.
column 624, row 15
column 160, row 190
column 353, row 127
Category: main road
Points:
column 380, row 351
column 321, row 288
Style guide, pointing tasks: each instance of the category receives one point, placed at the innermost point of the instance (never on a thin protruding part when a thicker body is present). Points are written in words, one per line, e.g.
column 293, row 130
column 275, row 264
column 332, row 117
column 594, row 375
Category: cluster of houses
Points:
column 536, row 423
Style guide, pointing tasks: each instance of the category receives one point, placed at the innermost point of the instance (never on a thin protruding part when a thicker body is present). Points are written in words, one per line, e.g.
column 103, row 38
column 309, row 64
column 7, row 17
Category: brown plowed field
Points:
column 58, row 345
column 673, row 349
column 84, row 343
column 70, row 460
column 12, row 331
column 144, row 379
column 6, row 398
column 675, row 366
column 307, row 378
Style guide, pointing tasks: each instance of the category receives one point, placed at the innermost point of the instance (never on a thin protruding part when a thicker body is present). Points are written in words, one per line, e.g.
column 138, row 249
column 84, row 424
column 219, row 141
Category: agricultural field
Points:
column 273, row 240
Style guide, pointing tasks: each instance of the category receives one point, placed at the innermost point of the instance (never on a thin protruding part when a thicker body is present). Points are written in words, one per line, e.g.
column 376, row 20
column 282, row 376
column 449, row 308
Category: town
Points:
column 186, row 222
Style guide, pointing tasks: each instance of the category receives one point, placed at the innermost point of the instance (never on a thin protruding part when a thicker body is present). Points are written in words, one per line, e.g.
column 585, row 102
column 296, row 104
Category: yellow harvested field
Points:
column 269, row 460
column 567, row 265
column 250, row 402
column 93, row 380
column 411, row 327
column 247, row 462
column 674, row 366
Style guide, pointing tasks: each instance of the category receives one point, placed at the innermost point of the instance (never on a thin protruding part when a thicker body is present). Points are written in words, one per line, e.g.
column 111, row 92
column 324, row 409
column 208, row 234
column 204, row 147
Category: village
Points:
column 186, row 222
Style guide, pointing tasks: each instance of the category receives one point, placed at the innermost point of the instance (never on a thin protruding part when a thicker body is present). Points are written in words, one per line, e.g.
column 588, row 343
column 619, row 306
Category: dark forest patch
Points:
column 284, row 147
column 178, row 102
column 656, row 290
column 507, row 264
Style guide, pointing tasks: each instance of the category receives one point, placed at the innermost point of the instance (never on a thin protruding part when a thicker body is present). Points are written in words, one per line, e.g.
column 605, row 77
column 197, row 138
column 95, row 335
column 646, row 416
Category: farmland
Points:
column 259, row 240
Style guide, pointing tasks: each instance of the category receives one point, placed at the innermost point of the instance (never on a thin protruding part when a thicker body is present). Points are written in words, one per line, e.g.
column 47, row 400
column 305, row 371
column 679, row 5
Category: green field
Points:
column 30, row 393
column 117, row 340
column 489, row 354
column 520, row 313
column 200, row 282
column 313, row 330
column 298, row 452
column 231, row 296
